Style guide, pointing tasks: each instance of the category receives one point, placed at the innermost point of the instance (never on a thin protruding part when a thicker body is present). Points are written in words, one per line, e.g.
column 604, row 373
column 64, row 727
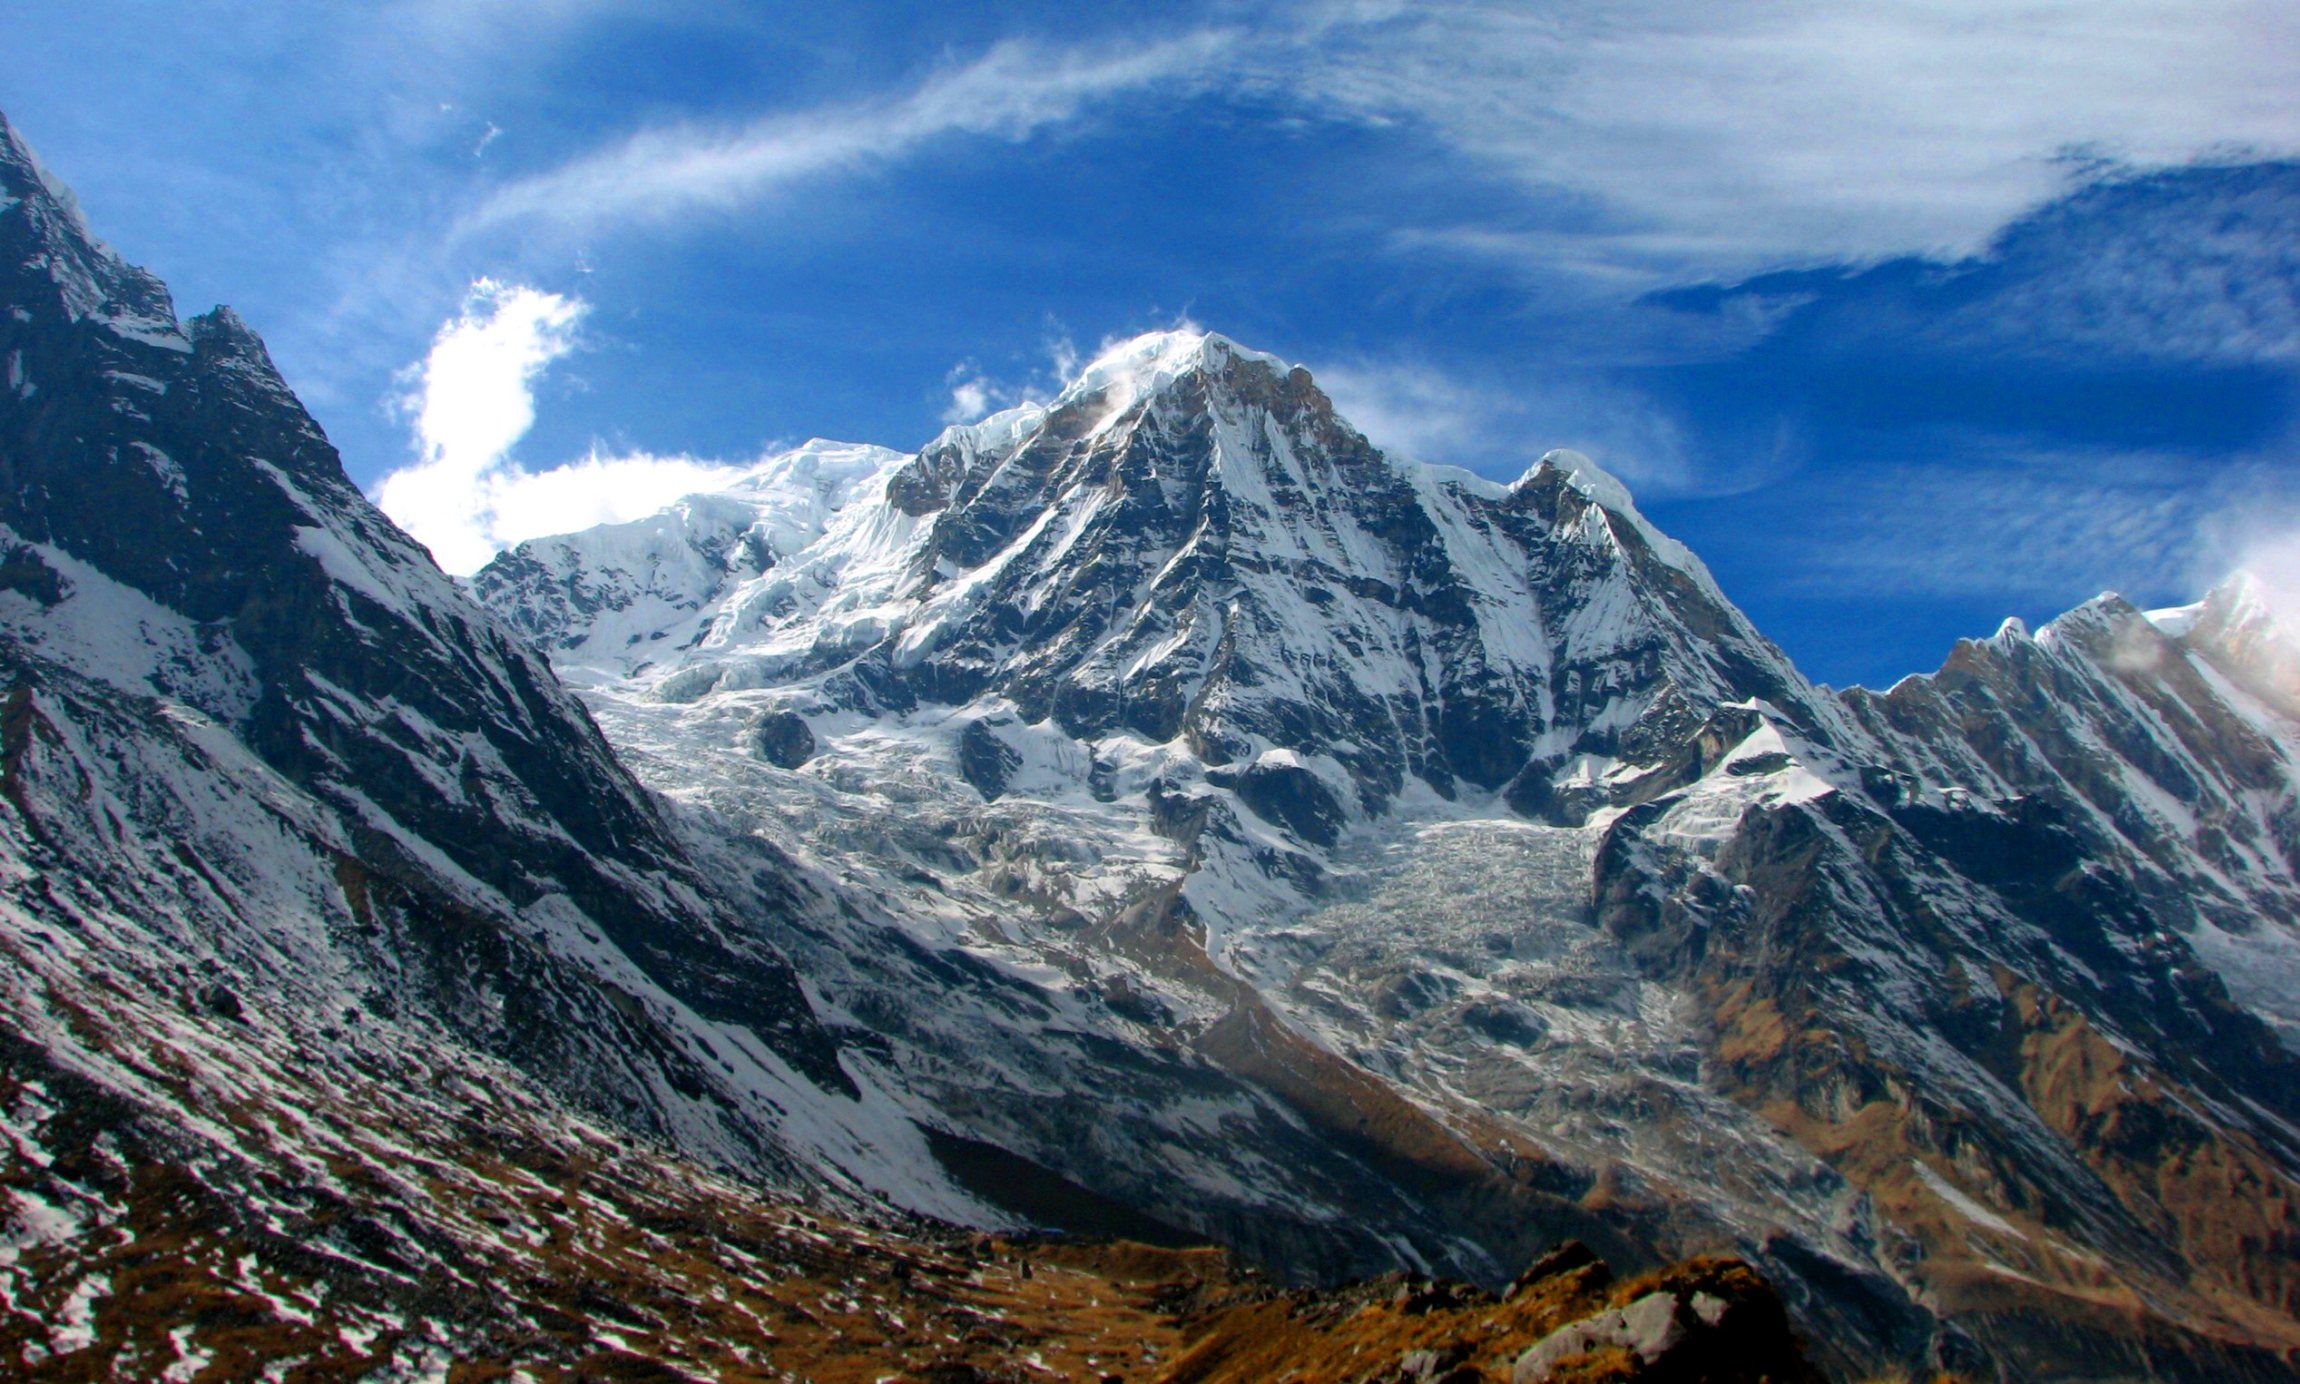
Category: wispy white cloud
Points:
column 1651, row 139
column 471, row 400
column 972, row 396
column 2202, row 264
column 1666, row 135
column 1013, row 90
column 601, row 488
column 2198, row 264
column 2049, row 531
column 975, row 394
column 1415, row 409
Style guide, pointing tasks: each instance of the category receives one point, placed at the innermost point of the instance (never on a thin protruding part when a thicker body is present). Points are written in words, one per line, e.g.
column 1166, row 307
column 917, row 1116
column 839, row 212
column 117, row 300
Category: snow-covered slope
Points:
column 628, row 595
column 1172, row 729
column 256, row 741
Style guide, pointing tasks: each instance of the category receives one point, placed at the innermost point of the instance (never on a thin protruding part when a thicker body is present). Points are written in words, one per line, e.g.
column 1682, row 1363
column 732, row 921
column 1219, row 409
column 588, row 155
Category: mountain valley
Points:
column 889, row 916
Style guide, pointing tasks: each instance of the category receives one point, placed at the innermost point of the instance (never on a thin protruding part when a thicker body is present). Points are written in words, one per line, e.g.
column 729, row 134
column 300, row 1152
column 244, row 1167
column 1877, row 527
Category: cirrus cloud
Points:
column 1013, row 90
column 1656, row 135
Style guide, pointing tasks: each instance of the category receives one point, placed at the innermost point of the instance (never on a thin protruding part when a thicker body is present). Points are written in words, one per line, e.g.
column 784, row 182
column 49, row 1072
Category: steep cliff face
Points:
column 258, row 744
column 1473, row 824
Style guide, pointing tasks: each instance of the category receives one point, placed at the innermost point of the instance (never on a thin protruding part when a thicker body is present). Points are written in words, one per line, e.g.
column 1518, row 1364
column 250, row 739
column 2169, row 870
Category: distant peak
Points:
column 997, row 432
column 22, row 175
column 2245, row 594
column 2247, row 605
column 2247, row 627
column 2106, row 616
column 2247, row 597
column 2107, row 608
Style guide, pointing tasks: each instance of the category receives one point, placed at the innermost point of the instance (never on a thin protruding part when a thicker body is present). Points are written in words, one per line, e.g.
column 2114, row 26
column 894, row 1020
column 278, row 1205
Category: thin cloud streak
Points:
column 1413, row 409
column 1652, row 140
column 2050, row 533
column 1014, row 90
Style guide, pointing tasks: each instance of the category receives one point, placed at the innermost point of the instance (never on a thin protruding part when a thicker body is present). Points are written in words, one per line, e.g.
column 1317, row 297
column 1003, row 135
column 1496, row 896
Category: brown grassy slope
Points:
column 184, row 1200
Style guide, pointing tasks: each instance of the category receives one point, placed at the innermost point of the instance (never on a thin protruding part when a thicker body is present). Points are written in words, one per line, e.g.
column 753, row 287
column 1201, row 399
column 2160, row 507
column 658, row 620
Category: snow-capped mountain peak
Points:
column 1136, row 368
column 1190, row 544
column 1605, row 490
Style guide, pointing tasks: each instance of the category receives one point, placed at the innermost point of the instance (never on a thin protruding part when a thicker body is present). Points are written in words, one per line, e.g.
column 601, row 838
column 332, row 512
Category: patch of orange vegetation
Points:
column 2210, row 1197
column 1750, row 1030
column 2231, row 1211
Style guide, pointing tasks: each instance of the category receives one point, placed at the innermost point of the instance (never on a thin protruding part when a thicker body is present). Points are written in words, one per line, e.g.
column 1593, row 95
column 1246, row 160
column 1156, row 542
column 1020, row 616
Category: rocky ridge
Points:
column 256, row 743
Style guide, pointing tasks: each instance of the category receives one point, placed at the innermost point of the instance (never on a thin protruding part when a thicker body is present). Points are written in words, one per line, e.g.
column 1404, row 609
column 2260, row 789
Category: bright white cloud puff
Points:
column 472, row 399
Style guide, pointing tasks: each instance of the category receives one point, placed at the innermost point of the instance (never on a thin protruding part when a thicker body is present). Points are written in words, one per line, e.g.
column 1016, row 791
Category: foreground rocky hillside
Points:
column 265, row 770
column 1186, row 748
column 252, row 731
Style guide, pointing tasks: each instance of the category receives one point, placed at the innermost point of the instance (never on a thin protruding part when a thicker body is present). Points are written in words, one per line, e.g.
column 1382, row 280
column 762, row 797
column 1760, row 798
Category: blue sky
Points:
column 1908, row 316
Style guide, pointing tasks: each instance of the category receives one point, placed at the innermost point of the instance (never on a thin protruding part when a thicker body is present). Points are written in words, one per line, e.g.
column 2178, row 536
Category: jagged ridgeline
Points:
column 1156, row 813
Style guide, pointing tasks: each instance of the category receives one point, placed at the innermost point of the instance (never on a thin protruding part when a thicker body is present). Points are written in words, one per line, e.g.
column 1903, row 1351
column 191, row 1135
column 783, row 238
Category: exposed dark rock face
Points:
column 984, row 760
column 783, row 740
column 182, row 545
column 1287, row 796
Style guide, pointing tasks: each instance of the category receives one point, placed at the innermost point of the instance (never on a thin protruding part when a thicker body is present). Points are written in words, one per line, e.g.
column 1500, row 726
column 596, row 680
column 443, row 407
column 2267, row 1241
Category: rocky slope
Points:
column 1472, row 826
column 257, row 750
column 1564, row 1319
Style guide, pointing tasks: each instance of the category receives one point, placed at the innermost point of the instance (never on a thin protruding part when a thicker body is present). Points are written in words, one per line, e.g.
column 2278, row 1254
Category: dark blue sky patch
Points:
column 2058, row 416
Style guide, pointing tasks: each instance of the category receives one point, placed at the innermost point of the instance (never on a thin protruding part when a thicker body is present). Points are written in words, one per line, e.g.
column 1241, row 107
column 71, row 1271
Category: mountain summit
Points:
column 1189, row 545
